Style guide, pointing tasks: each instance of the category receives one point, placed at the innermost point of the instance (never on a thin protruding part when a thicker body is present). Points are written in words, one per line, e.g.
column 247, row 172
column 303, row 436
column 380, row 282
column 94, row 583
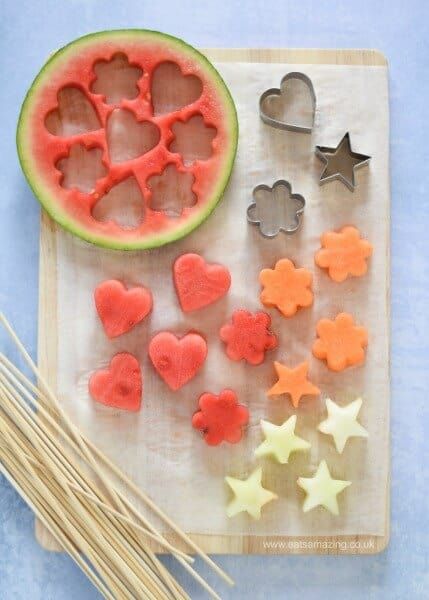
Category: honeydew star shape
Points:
column 249, row 495
column 341, row 162
column 322, row 490
column 342, row 422
column 280, row 440
column 293, row 382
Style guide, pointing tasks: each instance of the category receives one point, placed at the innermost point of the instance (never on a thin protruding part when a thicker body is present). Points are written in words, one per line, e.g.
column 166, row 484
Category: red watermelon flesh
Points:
column 220, row 418
column 199, row 284
column 121, row 108
column 120, row 385
column 177, row 360
column 119, row 308
column 248, row 336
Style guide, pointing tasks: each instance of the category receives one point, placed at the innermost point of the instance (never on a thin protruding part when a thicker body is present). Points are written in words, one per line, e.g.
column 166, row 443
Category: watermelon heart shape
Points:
column 119, row 386
column 198, row 283
column 128, row 138
column 119, row 308
column 177, row 360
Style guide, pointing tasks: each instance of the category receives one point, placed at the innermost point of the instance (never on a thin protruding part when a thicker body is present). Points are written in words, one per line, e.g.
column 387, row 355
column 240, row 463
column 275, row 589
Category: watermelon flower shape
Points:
column 341, row 343
column 220, row 418
column 248, row 336
column 344, row 254
column 286, row 287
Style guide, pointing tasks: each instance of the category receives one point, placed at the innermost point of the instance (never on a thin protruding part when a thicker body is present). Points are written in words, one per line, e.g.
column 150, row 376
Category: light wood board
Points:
column 47, row 347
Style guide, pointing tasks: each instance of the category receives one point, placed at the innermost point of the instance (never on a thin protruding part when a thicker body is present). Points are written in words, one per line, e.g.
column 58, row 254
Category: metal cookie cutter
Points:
column 341, row 162
column 276, row 121
column 276, row 209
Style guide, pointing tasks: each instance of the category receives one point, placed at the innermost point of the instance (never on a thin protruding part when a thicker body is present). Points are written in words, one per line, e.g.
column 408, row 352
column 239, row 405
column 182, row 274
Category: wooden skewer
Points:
column 114, row 469
column 114, row 545
column 57, row 534
column 175, row 589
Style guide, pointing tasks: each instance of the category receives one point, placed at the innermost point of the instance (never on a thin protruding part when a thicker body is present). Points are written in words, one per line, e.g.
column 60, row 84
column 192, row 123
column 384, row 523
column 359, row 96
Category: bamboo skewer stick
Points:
column 152, row 557
column 175, row 591
column 48, row 460
column 116, row 471
column 48, row 483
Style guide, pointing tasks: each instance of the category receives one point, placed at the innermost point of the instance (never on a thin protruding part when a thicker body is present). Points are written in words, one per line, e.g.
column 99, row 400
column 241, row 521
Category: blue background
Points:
column 30, row 30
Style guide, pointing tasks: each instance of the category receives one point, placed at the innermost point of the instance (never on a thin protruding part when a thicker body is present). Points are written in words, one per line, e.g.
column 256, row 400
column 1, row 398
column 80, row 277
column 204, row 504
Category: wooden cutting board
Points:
column 47, row 349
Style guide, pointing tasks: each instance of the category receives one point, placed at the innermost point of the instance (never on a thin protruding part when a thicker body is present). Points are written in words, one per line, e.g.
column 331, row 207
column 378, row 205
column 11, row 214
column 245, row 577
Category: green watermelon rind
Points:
column 45, row 197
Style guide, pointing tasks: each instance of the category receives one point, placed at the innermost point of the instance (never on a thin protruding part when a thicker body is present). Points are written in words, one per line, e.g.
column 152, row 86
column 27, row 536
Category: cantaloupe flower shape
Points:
column 286, row 287
column 343, row 253
column 341, row 343
column 293, row 382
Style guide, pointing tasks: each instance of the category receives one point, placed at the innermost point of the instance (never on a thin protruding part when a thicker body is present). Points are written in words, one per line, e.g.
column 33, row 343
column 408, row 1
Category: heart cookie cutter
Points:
column 280, row 123
column 276, row 209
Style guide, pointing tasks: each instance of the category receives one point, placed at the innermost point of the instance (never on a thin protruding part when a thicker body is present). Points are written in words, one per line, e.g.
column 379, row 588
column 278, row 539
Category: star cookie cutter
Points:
column 276, row 209
column 341, row 162
column 279, row 123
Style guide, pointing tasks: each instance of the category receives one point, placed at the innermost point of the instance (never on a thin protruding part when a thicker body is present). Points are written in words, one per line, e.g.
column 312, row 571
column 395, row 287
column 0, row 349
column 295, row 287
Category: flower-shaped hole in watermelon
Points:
column 128, row 138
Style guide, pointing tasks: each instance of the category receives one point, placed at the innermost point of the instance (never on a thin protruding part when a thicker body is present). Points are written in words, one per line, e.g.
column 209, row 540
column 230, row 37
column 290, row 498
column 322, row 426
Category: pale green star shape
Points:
column 341, row 422
column 322, row 490
column 249, row 495
column 280, row 440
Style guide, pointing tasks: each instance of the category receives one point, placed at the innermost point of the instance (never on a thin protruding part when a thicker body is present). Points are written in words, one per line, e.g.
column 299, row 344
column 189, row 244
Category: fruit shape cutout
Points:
column 116, row 79
column 120, row 385
column 342, row 423
column 340, row 342
column 73, row 115
column 249, row 495
column 286, row 287
column 177, row 360
column 344, row 254
column 294, row 382
column 198, row 283
column 119, row 308
column 322, row 490
column 280, row 441
column 220, row 418
column 128, row 138
column 124, row 91
column 248, row 336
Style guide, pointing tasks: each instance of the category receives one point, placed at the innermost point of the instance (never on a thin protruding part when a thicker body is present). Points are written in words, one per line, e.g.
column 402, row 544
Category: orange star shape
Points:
column 286, row 287
column 341, row 343
column 343, row 253
column 293, row 382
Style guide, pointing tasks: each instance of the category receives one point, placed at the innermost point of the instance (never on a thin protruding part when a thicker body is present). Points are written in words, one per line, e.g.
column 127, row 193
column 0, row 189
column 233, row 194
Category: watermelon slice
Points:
column 128, row 138
column 248, row 336
column 119, row 386
column 120, row 309
column 220, row 418
column 199, row 284
column 177, row 360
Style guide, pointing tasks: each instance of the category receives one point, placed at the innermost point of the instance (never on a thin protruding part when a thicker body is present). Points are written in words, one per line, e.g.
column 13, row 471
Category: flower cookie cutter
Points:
column 276, row 94
column 276, row 209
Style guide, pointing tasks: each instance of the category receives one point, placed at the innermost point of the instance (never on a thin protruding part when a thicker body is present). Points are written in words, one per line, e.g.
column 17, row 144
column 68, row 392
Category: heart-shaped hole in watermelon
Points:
column 123, row 204
column 128, row 138
column 160, row 114
column 172, row 90
column 74, row 115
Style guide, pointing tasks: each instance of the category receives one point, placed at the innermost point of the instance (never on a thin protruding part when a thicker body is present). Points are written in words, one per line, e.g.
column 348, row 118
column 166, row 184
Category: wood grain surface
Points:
column 47, row 344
